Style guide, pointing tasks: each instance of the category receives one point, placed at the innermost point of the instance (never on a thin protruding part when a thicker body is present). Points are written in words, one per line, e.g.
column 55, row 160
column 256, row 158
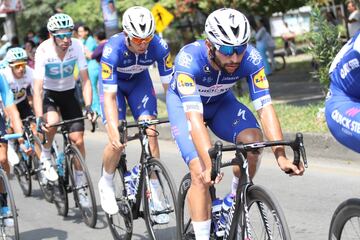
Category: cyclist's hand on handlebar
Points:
column 205, row 177
column 40, row 125
column 117, row 145
column 287, row 166
column 26, row 148
column 90, row 114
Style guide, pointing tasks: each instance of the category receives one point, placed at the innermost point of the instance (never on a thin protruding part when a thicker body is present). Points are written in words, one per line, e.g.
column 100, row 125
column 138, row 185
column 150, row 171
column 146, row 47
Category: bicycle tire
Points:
column 342, row 221
column 46, row 189
column 168, row 201
column 11, row 200
column 121, row 224
column 273, row 224
column 89, row 213
column 60, row 197
column 23, row 175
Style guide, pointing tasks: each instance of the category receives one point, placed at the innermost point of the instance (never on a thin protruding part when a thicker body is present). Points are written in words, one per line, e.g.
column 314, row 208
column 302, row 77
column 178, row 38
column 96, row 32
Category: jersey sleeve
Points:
column 108, row 65
column 81, row 60
column 164, row 61
column 257, row 81
column 39, row 70
column 7, row 95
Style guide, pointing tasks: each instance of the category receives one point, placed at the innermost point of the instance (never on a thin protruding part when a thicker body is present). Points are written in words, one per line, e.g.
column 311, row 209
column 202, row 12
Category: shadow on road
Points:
column 44, row 233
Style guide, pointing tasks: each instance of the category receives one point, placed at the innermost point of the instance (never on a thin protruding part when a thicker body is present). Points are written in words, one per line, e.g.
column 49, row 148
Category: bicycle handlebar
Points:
column 64, row 122
column 296, row 145
column 11, row 136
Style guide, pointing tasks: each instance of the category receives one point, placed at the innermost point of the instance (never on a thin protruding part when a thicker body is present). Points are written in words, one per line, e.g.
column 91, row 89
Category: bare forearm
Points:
column 87, row 93
column 37, row 101
column 111, row 115
column 15, row 118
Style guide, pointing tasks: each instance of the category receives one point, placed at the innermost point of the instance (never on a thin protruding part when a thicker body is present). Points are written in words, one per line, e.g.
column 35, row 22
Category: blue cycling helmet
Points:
column 60, row 21
column 15, row 54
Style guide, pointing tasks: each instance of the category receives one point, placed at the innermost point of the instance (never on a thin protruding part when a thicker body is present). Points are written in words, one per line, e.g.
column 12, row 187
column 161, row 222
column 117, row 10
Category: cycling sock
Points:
column 234, row 185
column 154, row 186
column 79, row 177
column 202, row 229
column 45, row 152
column 108, row 177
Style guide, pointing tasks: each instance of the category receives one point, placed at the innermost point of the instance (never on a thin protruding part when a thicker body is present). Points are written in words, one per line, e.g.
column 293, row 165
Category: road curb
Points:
column 319, row 145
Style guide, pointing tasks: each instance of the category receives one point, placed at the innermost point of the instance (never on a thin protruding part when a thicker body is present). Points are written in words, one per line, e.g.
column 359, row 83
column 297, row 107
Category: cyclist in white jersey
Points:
column 54, row 88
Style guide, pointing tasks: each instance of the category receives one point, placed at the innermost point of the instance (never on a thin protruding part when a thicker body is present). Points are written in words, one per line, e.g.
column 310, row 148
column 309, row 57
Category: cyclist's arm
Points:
column 37, row 99
column 111, row 115
column 87, row 92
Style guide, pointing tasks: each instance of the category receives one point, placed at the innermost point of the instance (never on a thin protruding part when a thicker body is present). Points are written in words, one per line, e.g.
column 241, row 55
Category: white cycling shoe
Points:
column 107, row 197
column 48, row 170
column 161, row 218
column 83, row 198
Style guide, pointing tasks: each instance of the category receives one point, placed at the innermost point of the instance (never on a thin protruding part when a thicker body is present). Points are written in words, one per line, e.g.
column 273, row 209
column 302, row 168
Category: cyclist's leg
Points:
column 3, row 147
column 234, row 122
column 142, row 102
column 198, row 194
column 343, row 119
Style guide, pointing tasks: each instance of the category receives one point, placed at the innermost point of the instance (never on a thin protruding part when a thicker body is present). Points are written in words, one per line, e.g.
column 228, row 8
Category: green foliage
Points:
column 325, row 43
column 86, row 11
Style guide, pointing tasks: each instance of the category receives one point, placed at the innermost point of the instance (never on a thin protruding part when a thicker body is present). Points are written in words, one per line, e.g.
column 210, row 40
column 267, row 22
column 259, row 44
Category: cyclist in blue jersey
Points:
column 126, row 59
column 342, row 106
column 199, row 91
column 54, row 92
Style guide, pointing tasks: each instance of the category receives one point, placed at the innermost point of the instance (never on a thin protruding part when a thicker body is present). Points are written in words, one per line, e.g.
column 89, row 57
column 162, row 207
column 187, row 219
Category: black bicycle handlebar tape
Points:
column 296, row 147
column 215, row 160
column 93, row 123
column 122, row 131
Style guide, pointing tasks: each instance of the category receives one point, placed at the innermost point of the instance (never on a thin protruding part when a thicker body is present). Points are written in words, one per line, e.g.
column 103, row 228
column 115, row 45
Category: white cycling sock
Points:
column 234, row 185
column 45, row 152
column 108, row 177
column 154, row 186
column 79, row 177
column 202, row 229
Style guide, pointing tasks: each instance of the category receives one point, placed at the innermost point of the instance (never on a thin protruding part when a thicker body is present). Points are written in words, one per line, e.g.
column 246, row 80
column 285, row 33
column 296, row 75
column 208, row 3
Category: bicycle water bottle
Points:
column 224, row 218
column 129, row 185
column 60, row 163
column 216, row 213
column 135, row 176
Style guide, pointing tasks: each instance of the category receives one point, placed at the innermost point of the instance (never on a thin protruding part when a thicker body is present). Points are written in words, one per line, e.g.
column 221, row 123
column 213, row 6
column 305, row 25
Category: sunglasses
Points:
column 139, row 41
column 18, row 65
column 230, row 50
column 62, row 36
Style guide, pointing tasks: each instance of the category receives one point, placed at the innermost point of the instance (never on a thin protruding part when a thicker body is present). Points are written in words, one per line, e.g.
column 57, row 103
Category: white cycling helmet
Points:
column 15, row 54
column 60, row 21
column 138, row 22
column 227, row 27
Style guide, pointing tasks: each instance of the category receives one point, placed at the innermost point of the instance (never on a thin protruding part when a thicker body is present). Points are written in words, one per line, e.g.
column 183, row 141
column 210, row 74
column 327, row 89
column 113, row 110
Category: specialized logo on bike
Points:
column 260, row 81
column 185, row 84
column 106, row 71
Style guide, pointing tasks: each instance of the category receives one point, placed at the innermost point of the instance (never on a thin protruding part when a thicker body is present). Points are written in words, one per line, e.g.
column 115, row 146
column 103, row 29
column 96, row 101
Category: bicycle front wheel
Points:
column 8, row 221
column 265, row 218
column 83, row 189
column 159, row 202
column 345, row 223
column 23, row 174
column 121, row 224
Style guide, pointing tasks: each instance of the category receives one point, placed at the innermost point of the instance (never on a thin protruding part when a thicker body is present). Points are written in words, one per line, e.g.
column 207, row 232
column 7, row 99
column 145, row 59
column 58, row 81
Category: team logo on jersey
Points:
column 254, row 57
column 107, row 51
column 106, row 71
column 206, row 69
column 260, row 80
column 126, row 54
column 185, row 84
column 168, row 62
column 185, row 59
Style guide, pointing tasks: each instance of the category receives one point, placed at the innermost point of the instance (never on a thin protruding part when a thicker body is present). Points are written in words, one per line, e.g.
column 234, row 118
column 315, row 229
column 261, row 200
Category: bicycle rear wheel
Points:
column 266, row 219
column 84, row 194
column 23, row 174
column 345, row 223
column 6, row 231
column 121, row 224
column 159, row 210
column 46, row 187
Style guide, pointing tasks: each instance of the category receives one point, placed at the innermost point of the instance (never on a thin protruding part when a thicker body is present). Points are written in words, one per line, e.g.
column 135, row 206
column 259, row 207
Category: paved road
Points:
column 308, row 201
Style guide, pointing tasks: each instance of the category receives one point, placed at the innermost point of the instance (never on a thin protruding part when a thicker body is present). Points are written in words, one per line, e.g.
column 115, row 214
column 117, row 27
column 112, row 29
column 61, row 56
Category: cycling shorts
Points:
column 67, row 104
column 226, row 118
column 2, row 129
column 343, row 118
column 24, row 109
column 138, row 92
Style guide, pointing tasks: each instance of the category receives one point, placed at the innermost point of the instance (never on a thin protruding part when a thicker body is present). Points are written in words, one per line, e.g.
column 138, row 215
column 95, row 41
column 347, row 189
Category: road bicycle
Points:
column 66, row 184
column 7, row 198
column 255, row 213
column 121, row 224
column 345, row 222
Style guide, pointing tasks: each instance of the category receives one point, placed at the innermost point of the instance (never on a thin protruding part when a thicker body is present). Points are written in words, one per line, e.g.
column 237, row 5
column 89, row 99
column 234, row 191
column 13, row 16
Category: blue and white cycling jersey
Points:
column 58, row 75
column 7, row 96
column 195, row 80
column 119, row 65
column 342, row 108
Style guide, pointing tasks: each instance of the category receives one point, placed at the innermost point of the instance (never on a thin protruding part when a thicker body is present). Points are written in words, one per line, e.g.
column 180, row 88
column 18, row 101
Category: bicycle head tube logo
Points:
column 185, row 84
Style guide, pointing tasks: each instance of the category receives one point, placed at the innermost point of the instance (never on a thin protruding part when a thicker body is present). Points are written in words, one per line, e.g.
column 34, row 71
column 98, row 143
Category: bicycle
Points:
column 121, row 224
column 7, row 197
column 255, row 213
column 66, row 182
column 345, row 221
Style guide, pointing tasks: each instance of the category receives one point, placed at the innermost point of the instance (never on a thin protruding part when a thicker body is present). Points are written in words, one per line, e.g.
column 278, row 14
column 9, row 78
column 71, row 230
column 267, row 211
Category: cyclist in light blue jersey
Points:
column 200, row 91
column 342, row 106
column 126, row 59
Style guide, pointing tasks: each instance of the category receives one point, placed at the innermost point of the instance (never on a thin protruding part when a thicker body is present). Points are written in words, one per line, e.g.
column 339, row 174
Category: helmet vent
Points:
column 142, row 26
column 235, row 30
column 223, row 31
column 133, row 27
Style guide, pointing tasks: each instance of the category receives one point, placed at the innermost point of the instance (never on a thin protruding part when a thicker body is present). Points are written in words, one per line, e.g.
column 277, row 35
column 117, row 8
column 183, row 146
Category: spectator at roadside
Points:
column 14, row 43
column 85, row 35
column 101, row 40
column 30, row 48
column 288, row 37
column 266, row 46
column 5, row 44
column 354, row 17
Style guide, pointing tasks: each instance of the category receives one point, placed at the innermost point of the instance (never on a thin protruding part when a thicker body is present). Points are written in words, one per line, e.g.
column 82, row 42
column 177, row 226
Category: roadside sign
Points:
column 162, row 17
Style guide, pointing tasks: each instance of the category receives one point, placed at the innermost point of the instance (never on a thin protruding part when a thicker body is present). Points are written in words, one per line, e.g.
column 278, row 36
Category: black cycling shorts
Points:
column 67, row 104
column 24, row 109
column 2, row 129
